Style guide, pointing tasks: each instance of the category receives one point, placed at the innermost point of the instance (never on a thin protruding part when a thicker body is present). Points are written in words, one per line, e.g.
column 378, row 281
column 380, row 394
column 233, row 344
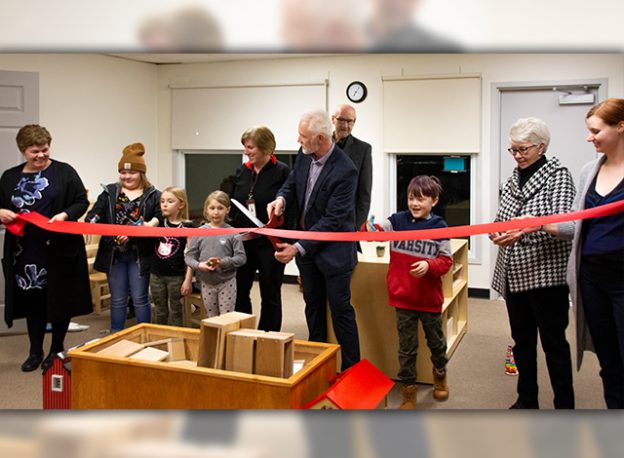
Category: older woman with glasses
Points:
column 530, row 270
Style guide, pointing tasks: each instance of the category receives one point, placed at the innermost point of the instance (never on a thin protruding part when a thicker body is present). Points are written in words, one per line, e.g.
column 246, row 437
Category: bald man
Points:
column 360, row 153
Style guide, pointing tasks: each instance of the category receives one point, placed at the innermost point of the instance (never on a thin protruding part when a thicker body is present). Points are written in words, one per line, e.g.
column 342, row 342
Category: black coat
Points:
column 104, row 208
column 68, row 291
column 360, row 153
column 268, row 182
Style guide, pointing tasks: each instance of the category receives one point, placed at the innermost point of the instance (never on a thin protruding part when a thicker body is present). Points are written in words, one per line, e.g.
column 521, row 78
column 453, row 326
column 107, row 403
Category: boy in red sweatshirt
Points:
column 415, row 285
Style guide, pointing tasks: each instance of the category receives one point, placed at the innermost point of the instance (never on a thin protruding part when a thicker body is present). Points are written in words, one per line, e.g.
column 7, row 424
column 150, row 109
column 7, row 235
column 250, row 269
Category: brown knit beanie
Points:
column 132, row 158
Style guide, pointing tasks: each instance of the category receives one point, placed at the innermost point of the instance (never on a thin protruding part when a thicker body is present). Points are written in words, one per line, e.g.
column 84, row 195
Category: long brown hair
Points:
column 611, row 111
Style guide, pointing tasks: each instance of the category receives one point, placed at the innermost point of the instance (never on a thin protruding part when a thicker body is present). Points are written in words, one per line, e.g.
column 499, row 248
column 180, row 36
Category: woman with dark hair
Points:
column 596, row 268
column 256, row 184
column 530, row 270
column 46, row 273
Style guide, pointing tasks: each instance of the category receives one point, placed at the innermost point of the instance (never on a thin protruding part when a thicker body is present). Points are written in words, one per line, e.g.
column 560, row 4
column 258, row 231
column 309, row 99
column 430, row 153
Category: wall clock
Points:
column 356, row 91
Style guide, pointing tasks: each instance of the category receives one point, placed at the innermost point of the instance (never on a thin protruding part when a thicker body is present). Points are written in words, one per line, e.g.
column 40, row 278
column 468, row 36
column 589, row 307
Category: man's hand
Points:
column 285, row 252
column 276, row 207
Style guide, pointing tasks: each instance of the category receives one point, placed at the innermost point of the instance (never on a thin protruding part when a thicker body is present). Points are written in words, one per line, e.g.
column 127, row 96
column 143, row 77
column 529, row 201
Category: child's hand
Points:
column 420, row 268
column 59, row 217
column 121, row 239
column 186, row 288
column 209, row 266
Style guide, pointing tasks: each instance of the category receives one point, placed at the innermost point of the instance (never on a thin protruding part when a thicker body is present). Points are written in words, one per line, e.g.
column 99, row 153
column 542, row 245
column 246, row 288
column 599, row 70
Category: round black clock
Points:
column 356, row 91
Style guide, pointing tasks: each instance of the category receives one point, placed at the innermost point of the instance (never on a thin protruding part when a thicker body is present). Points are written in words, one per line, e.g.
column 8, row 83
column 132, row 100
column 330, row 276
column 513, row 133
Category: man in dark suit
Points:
column 360, row 153
column 322, row 186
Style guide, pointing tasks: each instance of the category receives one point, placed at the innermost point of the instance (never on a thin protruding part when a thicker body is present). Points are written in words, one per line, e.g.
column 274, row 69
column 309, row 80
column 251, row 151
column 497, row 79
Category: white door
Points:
column 19, row 105
column 566, row 123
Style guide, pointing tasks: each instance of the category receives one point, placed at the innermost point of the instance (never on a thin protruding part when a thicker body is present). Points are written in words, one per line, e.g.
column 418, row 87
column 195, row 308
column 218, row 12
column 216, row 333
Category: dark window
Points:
column 205, row 173
column 454, row 174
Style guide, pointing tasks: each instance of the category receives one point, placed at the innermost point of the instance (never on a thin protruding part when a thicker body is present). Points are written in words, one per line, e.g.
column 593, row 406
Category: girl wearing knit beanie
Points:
column 126, row 260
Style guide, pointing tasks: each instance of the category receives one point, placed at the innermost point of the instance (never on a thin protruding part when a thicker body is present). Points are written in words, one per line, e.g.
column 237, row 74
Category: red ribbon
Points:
column 71, row 227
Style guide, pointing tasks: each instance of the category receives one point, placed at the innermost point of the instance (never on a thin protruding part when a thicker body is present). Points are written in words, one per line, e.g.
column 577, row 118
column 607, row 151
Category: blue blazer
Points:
column 331, row 208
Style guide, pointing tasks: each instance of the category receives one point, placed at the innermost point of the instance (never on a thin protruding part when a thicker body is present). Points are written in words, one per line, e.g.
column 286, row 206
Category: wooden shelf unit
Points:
column 376, row 319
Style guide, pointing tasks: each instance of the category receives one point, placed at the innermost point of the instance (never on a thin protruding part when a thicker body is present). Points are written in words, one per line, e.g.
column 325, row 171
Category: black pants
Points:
column 602, row 291
column 260, row 257
column 319, row 288
column 543, row 310
column 34, row 303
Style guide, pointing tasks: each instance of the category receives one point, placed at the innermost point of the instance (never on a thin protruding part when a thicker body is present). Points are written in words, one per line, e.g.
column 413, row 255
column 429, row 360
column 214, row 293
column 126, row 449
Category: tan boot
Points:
column 440, row 386
column 409, row 397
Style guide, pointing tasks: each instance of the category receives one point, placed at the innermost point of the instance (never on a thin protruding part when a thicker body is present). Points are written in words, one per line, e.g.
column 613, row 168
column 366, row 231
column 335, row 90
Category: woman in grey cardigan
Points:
column 596, row 268
column 530, row 269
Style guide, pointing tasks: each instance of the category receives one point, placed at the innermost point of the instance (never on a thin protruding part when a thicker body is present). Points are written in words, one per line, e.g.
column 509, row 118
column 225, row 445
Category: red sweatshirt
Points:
column 404, row 290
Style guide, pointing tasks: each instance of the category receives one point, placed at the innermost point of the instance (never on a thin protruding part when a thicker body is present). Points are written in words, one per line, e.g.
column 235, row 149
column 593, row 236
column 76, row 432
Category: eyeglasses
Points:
column 523, row 150
column 345, row 120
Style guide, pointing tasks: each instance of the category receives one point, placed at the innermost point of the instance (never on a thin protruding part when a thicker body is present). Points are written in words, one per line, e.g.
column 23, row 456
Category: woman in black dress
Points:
column 46, row 273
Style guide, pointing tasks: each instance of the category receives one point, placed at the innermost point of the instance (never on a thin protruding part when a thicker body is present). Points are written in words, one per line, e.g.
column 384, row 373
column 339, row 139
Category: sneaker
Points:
column 440, row 386
column 75, row 327
column 409, row 397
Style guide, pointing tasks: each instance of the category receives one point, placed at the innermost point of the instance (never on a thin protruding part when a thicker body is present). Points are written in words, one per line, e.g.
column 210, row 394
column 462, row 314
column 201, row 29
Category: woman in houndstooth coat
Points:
column 530, row 270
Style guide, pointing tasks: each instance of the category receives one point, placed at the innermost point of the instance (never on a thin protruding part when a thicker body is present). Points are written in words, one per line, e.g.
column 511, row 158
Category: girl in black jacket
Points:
column 127, row 261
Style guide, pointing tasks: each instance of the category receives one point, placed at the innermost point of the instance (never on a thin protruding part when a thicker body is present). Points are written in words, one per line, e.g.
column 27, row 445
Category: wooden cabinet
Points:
column 377, row 320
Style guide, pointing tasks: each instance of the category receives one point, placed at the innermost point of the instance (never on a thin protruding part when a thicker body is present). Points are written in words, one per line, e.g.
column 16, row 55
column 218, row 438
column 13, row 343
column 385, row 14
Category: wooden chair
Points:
column 97, row 280
column 194, row 310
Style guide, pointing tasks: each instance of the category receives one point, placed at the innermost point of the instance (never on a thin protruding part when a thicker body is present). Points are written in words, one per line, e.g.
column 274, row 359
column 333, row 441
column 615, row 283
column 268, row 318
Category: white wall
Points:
column 93, row 106
column 341, row 69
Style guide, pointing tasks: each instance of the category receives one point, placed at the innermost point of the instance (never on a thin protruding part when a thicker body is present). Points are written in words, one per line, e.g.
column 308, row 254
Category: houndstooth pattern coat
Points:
column 537, row 260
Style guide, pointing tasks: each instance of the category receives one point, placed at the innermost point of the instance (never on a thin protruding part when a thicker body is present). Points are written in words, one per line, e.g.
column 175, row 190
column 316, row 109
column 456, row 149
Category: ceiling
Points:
column 194, row 58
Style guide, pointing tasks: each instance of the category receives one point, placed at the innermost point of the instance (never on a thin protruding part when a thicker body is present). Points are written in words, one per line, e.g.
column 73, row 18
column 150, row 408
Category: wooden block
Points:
column 173, row 346
column 150, row 354
column 122, row 348
column 274, row 354
column 213, row 332
column 246, row 320
column 240, row 351
column 176, row 350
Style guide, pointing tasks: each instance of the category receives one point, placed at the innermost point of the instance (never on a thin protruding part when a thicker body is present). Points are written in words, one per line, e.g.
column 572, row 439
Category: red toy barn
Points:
column 362, row 386
column 56, row 383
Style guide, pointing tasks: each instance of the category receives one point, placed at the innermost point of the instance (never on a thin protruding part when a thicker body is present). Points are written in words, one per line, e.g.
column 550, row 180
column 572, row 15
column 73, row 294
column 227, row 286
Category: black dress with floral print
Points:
column 34, row 192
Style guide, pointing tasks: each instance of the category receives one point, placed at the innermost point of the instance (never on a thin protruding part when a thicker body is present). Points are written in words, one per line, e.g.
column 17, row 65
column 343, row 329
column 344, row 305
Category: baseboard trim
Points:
column 479, row 293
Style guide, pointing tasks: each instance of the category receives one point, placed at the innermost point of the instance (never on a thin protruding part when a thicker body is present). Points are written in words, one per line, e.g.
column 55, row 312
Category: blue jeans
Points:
column 123, row 277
